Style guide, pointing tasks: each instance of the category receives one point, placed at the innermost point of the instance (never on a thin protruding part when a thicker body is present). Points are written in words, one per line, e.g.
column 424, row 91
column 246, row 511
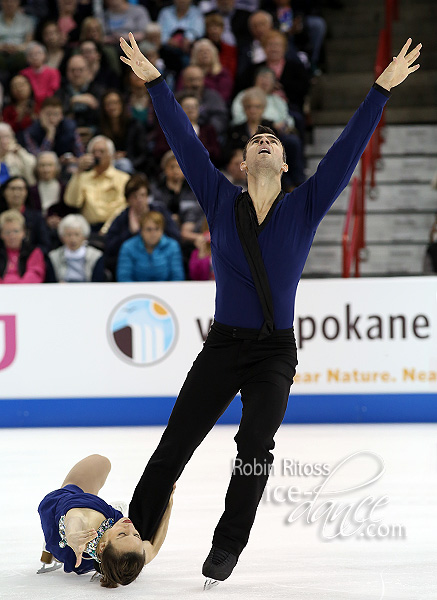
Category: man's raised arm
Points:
column 336, row 168
column 193, row 158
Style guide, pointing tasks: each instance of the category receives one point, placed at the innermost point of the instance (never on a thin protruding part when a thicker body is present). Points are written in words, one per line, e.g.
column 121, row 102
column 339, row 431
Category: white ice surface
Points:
column 281, row 561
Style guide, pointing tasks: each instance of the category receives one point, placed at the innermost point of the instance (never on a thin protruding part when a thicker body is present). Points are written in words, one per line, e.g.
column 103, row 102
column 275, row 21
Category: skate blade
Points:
column 210, row 583
column 46, row 569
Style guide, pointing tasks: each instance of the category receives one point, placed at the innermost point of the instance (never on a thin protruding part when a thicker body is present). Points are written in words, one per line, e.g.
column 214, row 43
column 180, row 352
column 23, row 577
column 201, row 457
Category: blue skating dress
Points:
column 54, row 506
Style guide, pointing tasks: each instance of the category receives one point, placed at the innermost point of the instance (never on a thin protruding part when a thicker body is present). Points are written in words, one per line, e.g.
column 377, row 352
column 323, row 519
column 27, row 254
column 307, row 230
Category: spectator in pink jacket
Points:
column 45, row 81
column 200, row 264
column 19, row 261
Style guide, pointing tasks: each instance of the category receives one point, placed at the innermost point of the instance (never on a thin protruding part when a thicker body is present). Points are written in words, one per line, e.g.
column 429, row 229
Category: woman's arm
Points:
column 77, row 533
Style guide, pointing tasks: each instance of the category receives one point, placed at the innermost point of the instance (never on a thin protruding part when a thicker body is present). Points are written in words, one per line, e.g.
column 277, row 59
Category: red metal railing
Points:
column 354, row 240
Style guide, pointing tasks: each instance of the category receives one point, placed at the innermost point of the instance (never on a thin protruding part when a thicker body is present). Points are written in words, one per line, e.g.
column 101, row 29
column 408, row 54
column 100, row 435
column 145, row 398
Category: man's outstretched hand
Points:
column 139, row 64
column 400, row 67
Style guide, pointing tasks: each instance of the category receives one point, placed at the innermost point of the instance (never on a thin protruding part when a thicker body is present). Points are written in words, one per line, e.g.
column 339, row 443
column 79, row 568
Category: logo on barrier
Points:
column 142, row 330
column 8, row 340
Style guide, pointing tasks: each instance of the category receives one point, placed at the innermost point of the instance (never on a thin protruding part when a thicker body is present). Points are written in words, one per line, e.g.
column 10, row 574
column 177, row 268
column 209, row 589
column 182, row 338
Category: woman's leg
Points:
column 89, row 474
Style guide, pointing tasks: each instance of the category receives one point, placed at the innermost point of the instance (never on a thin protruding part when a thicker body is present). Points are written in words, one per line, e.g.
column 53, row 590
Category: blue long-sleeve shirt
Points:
column 163, row 264
column 286, row 235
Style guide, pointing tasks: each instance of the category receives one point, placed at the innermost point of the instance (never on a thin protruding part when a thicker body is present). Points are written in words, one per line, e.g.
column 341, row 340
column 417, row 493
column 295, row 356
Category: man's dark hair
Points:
column 263, row 129
column 120, row 568
column 53, row 102
column 135, row 183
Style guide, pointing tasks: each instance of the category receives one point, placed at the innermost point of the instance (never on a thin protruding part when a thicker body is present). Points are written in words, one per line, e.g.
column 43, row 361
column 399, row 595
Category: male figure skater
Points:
column 260, row 240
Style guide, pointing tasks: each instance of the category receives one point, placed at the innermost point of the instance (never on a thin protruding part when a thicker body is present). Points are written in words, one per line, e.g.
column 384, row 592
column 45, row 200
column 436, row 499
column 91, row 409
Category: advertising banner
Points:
column 356, row 336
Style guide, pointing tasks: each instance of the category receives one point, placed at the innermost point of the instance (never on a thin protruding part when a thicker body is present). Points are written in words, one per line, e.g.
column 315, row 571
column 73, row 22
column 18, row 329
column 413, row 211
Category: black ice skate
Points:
column 217, row 567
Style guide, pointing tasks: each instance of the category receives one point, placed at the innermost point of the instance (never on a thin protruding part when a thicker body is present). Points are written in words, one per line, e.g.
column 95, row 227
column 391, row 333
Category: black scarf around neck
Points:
column 248, row 229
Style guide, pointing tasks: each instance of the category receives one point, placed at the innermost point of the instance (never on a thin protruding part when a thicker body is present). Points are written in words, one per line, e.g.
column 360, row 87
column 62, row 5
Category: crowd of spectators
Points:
column 90, row 190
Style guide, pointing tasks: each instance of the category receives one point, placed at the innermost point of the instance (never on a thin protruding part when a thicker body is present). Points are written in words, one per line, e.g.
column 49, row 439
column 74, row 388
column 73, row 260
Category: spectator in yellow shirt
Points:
column 97, row 188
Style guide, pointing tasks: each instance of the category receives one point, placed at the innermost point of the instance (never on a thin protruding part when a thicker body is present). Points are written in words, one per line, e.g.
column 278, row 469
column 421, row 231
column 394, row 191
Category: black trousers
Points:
column 231, row 360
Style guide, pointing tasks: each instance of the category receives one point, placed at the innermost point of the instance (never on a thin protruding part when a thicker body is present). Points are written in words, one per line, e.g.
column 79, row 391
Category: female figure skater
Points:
column 85, row 533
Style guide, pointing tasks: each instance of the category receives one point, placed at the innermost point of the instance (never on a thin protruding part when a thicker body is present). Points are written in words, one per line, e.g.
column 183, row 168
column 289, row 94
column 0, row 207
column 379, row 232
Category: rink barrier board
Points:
column 107, row 412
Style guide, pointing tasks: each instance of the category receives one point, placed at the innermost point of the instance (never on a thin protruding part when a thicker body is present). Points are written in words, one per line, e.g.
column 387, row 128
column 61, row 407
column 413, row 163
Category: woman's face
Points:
column 113, row 106
column 124, row 537
column 12, row 235
column 89, row 52
column 275, row 49
column 214, row 32
column 265, row 81
column 93, row 31
column 15, row 194
column 151, row 233
column 172, row 170
column 191, row 108
column 73, row 238
column 20, row 88
column 46, row 168
column 36, row 57
column 254, row 109
column 139, row 201
column 204, row 55
column 51, row 36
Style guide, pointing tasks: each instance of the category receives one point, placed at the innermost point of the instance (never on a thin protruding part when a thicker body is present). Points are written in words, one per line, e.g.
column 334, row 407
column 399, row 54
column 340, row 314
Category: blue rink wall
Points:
column 344, row 408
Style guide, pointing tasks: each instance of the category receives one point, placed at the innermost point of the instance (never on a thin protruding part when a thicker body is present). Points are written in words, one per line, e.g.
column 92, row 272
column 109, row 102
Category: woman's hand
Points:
column 139, row 64
column 78, row 540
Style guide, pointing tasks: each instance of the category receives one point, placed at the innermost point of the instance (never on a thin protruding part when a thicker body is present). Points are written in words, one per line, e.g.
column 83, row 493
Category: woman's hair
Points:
column 135, row 183
column 216, row 65
column 214, row 19
column 5, row 185
column 119, row 568
column 74, row 222
column 12, row 216
column 254, row 93
column 154, row 216
column 105, row 124
column 85, row 24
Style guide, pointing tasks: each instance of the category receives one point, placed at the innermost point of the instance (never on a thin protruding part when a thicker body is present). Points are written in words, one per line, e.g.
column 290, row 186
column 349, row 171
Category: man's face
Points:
column 52, row 115
column 77, row 71
column 193, row 79
column 264, row 152
column 101, row 154
column 259, row 25
column 182, row 5
column 225, row 6
column 275, row 49
column 9, row 7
